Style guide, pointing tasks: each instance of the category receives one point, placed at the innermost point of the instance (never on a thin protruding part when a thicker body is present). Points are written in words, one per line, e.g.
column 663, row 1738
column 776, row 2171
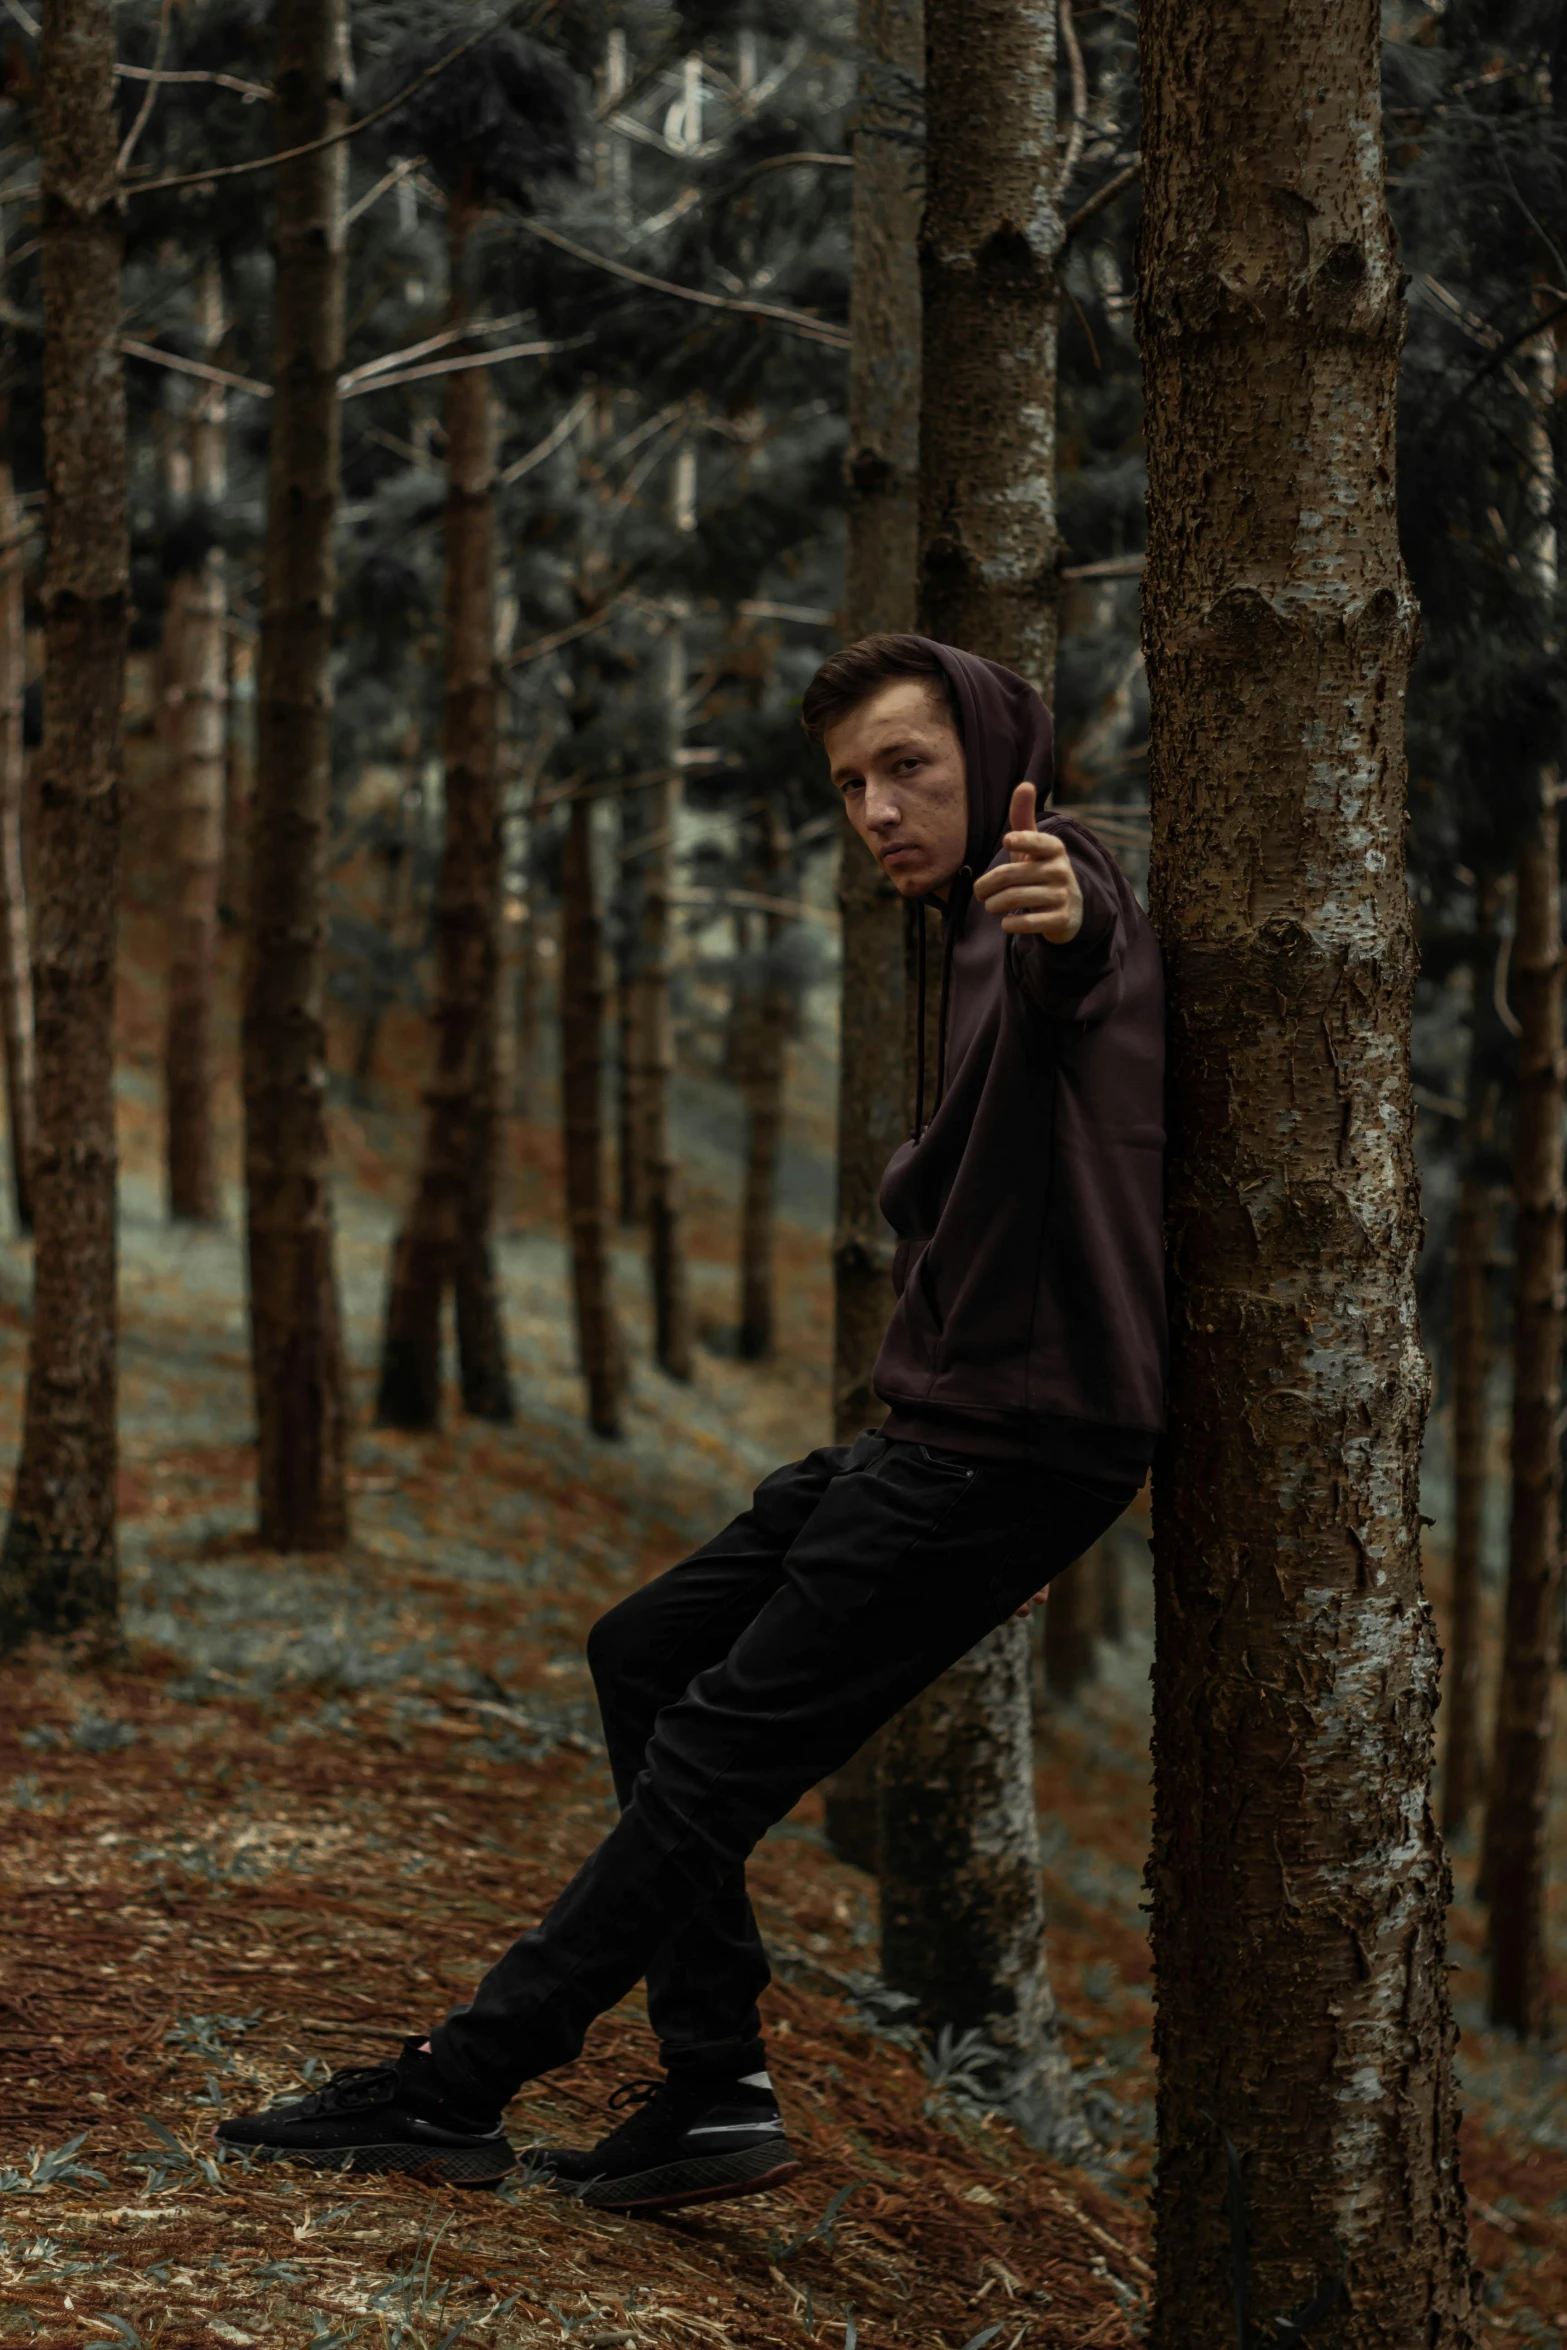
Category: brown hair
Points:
column 848, row 678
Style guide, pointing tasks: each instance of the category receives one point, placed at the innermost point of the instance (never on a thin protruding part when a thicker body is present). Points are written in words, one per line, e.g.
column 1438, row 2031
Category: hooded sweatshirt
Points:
column 1028, row 1204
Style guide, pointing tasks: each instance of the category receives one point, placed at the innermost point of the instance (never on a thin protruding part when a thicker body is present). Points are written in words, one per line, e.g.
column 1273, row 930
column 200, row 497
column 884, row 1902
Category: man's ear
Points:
column 1021, row 818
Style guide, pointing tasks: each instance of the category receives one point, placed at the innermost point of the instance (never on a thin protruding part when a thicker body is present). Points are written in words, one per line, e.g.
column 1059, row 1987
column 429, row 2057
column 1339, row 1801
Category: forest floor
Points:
column 318, row 1795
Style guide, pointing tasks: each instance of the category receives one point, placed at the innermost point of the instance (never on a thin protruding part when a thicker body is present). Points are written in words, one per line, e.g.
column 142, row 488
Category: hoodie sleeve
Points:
column 1081, row 980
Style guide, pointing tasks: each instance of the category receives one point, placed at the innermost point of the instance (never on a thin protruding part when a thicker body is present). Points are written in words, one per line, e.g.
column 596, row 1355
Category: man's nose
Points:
column 881, row 810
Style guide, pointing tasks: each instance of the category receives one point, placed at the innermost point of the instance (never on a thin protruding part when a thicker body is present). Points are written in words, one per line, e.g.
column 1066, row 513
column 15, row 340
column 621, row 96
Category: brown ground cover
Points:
column 315, row 1797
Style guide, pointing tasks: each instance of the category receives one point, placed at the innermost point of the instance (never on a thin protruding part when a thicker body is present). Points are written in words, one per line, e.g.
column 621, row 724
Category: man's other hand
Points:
column 1037, row 892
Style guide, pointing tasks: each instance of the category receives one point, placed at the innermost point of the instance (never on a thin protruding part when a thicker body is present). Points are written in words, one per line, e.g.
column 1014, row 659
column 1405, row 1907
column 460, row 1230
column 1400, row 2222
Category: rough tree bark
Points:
column 961, row 1923
column 762, row 1083
column 881, row 480
column 653, row 1031
column 957, row 1766
column 582, row 995
column 59, row 1570
column 16, row 964
column 198, row 614
column 1299, row 1883
column 296, row 1333
column 1515, row 1858
column 1471, row 1378
column 989, row 250
column 446, row 1240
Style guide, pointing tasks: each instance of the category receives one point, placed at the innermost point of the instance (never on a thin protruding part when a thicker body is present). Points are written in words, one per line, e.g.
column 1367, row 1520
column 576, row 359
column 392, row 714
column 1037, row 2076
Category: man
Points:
column 1023, row 1371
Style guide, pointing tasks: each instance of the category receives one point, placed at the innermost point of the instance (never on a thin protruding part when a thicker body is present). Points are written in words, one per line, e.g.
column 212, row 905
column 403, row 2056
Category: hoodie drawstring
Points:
column 919, row 1019
column 952, row 913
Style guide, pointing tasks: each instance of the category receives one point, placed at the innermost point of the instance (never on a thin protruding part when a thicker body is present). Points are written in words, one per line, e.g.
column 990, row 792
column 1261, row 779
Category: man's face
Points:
column 899, row 764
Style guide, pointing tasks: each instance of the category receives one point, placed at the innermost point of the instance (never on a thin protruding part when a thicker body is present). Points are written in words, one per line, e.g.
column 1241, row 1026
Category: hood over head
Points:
column 1008, row 739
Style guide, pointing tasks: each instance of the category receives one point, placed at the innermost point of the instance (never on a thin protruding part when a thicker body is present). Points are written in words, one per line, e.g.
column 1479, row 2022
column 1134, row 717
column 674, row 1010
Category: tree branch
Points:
column 530, row 10
column 1100, row 198
column 798, row 321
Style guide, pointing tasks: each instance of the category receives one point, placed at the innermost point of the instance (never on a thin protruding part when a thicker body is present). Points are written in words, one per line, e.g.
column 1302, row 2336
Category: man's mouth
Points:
column 899, row 850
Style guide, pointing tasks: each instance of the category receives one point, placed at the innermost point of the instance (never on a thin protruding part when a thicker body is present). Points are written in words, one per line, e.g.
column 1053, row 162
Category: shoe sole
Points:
column 456, row 2166
column 714, row 2178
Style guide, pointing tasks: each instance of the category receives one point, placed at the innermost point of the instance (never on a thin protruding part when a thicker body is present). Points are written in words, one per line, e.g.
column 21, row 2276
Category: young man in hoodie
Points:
column 1023, row 1373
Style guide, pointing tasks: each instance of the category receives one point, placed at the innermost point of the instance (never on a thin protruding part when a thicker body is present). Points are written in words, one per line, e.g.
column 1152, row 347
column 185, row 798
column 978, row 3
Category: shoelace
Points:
column 636, row 2093
column 650, row 2104
column 355, row 2086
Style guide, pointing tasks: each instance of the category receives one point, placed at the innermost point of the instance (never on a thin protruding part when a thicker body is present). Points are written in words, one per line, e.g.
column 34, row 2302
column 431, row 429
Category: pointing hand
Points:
column 1037, row 891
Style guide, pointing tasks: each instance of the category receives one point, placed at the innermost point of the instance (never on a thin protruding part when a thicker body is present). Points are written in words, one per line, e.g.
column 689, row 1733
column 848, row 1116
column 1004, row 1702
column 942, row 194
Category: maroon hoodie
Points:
column 1030, row 1322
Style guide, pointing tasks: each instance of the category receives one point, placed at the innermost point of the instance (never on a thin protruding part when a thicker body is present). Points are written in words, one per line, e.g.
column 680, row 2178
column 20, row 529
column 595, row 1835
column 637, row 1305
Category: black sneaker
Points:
column 693, row 2139
column 383, row 2117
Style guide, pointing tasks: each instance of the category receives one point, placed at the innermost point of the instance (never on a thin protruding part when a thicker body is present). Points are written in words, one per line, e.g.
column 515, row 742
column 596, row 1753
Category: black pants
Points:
column 728, row 1687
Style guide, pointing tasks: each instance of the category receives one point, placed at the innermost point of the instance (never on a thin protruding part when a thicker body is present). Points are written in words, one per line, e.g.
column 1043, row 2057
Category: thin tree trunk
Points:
column 1515, row 1860
column 1515, row 1853
column 239, row 779
column 1461, row 1776
column 582, row 1099
column 446, row 1240
column 989, row 244
column 296, row 1332
column 766, row 1059
column 961, row 1925
column 654, row 1027
column 59, row 1570
column 1110, row 1580
column 201, row 690
column 392, row 850
column 1299, row 1883
column 630, row 1000
column 1072, row 1628
column 529, row 976
column 16, row 968
column 881, row 481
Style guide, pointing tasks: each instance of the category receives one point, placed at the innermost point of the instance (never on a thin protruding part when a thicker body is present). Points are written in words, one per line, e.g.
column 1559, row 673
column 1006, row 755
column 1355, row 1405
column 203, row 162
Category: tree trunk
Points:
column 766, row 1059
column 296, row 1333
column 1072, row 1628
column 654, row 1031
column 1299, row 1884
column 59, row 1571
column 1515, row 1861
column 582, row 1100
column 446, row 1240
column 239, row 778
column 529, row 976
column 1471, row 1380
column 16, row 966
column 631, row 1152
column 989, row 243
column 1515, row 1851
column 961, row 1922
column 392, row 849
column 881, row 481
column 201, row 693
column 1110, row 1579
